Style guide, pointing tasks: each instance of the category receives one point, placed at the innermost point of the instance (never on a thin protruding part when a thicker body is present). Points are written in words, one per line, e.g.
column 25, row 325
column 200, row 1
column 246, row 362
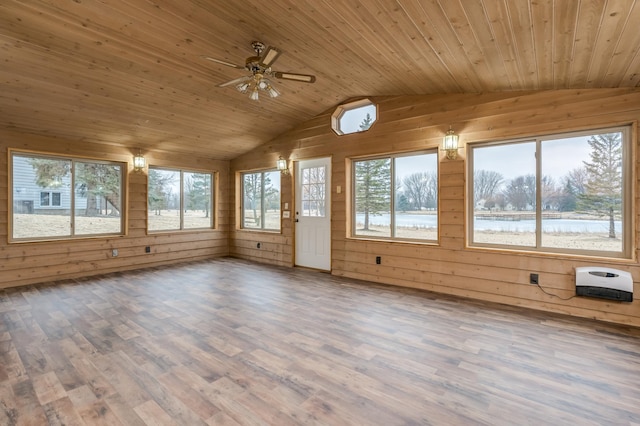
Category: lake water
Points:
column 549, row 225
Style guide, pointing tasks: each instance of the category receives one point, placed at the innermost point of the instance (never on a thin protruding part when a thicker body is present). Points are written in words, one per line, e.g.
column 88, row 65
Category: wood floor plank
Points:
column 229, row 342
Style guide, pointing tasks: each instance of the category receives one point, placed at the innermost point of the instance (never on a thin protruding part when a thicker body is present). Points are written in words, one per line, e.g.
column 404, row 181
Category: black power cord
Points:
column 553, row 295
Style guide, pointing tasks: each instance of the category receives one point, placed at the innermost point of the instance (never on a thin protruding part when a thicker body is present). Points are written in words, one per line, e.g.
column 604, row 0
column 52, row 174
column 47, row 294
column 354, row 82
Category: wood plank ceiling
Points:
column 130, row 72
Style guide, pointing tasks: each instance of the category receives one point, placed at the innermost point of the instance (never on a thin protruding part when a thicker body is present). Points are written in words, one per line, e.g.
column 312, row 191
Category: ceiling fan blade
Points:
column 235, row 81
column 218, row 61
column 269, row 57
column 305, row 78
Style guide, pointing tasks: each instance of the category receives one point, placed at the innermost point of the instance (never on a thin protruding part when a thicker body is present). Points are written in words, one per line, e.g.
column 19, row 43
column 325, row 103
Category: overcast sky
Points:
column 559, row 157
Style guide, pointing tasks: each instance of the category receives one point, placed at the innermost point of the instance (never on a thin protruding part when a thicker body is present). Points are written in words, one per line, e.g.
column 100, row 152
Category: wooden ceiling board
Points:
column 130, row 73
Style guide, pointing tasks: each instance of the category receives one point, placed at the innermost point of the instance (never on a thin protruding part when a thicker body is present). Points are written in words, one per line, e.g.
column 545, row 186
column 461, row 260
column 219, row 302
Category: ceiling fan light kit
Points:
column 260, row 68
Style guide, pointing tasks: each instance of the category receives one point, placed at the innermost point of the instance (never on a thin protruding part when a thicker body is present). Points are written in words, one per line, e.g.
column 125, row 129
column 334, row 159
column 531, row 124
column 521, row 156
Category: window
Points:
column 56, row 197
column 561, row 193
column 49, row 199
column 313, row 184
column 396, row 197
column 354, row 117
column 261, row 200
column 179, row 200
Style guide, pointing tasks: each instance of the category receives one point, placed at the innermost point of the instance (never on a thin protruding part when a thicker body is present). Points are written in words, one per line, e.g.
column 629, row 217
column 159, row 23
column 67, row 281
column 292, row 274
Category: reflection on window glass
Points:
column 313, row 187
column 261, row 200
column 179, row 199
column 578, row 198
column 49, row 192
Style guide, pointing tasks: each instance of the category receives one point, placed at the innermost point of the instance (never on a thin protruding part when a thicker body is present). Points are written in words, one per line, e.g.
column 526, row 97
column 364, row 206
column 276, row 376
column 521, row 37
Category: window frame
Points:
column 212, row 193
column 262, row 228
column 73, row 235
column 627, row 220
column 341, row 110
column 392, row 203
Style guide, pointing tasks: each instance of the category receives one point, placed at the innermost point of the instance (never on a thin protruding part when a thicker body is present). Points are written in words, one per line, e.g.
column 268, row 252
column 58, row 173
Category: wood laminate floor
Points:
column 228, row 342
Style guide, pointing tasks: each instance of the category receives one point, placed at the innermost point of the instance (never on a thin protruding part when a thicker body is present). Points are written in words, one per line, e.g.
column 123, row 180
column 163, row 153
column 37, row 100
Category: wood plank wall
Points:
column 416, row 122
column 26, row 263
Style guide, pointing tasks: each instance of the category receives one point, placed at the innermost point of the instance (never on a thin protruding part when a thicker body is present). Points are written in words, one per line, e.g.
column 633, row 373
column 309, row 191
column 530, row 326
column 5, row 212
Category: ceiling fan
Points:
column 260, row 68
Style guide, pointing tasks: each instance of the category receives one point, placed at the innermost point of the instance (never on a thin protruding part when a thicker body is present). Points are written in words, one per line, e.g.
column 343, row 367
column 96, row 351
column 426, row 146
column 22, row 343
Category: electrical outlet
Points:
column 533, row 279
column 114, row 252
column 147, row 249
column 378, row 260
column 258, row 245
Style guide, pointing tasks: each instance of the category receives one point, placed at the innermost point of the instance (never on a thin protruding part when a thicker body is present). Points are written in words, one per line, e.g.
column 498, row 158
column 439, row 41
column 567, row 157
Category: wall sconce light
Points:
column 450, row 144
column 281, row 164
column 139, row 162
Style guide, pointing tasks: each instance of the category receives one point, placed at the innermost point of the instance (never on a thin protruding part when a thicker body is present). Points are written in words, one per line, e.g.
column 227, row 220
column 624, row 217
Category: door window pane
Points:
column 313, row 187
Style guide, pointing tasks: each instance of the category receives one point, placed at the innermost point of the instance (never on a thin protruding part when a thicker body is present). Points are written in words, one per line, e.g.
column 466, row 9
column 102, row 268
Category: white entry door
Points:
column 313, row 213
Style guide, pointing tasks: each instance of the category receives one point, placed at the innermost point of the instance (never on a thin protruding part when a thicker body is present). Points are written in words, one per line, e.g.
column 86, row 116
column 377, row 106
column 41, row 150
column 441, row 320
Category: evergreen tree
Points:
column 92, row 180
column 96, row 180
column 198, row 192
column 159, row 190
column 574, row 184
column 49, row 173
column 366, row 123
column 373, row 188
column 603, row 192
column 402, row 203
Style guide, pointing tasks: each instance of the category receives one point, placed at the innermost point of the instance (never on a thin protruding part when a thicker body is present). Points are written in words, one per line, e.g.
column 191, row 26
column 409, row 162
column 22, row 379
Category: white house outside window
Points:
column 56, row 197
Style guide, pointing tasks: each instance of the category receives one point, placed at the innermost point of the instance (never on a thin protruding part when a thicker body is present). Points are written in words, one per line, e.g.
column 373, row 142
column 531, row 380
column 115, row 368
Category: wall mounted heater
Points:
column 604, row 283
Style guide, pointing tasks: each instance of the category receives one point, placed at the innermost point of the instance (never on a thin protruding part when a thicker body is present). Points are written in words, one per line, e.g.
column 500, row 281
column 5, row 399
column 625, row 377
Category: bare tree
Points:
column 485, row 184
column 521, row 192
column 421, row 189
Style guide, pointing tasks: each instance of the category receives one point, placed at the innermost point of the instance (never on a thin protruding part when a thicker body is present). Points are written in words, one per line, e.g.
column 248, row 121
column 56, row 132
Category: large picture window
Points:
column 261, row 200
column 562, row 193
column 396, row 197
column 179, row 200
column 56, row 197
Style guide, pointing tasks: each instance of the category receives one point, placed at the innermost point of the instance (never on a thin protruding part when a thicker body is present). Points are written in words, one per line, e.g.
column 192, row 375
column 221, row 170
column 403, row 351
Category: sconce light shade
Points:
column 281, row 164
column 139, row 162
column 450, row 144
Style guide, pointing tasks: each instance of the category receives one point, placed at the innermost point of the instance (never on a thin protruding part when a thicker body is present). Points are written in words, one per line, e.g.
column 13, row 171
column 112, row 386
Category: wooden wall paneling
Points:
column 110, row 73
column 30, row 262
column 450, row 266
